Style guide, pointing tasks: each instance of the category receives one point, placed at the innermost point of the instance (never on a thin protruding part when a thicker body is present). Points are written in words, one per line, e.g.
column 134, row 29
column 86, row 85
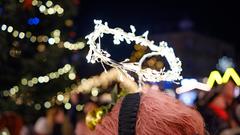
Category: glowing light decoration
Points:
column 215, row 76
column 49, row 8
column 96, row 54
column 33, row 21
column 54, row 39
column 191, row 84
column 41, row 79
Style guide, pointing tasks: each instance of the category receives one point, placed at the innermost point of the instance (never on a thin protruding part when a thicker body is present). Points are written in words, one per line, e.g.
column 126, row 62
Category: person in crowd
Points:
column 11, row 123
column 151, row 113
column 216, row 109
column 57, row 122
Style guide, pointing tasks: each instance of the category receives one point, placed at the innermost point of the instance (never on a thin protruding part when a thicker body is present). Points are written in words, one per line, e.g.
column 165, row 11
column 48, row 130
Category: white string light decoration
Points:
column 97, row 54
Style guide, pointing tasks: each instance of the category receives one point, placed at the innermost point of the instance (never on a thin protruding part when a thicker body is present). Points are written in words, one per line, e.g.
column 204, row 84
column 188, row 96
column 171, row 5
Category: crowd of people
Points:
column 215, row 113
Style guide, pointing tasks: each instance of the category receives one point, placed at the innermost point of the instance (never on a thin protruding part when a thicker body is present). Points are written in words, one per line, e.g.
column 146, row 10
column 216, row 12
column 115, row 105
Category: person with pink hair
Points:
column 151, row 112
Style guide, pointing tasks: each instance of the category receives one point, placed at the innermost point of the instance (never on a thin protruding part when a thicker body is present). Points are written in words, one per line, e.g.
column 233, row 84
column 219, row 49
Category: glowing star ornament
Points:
column 97, row 54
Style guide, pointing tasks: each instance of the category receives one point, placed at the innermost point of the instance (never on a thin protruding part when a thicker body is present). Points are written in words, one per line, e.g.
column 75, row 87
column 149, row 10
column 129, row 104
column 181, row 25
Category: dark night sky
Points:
column 214, row 19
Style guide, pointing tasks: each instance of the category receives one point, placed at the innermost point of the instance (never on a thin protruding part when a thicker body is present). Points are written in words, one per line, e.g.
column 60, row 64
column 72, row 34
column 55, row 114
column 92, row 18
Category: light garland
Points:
column 96, row 54
column 54, row 39
column 48, row 8
column 191, row 84
column 85, row 86
column 104, row 80
column 41, row 79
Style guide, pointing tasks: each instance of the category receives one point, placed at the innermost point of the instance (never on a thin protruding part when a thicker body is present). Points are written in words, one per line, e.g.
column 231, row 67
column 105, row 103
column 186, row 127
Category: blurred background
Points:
column 43, row 58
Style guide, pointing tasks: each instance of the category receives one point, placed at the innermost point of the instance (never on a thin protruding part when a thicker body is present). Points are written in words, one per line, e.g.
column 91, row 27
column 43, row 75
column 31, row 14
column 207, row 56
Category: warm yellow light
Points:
column 34, row 80
column 28, row 34
column 49, row 3
column 15, row 33
column 94, row 92
column 10, row 29
column 51, row 11
column 40, row 79
column 72, row 76
column 60, row 97
column 37, row 106
column 12, row 91
column 79, row 107
column 52, row 76
column 57, row 40
column 33, row 39
column 46, row 79
column 21, row 35
column 60, row 71
column 67, row 106
column 60, row 10
column 47, row 104
column 30, row 84
column 34, row 2
column 24, row 81
column 56, row 33
column 5, row 93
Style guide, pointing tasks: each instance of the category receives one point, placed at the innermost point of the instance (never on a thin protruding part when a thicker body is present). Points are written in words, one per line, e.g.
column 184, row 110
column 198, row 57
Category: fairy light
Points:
column 49, row 8
column 37, row 106
column 15, row 33
column 67, row 106
column 42, row 8
column 33, row 39
column 72, row 76
column 4, row 27
column 47, row 104
column 94, row 92
column 104, row 80
column 60, row 97
column 21, row 35
column 79, row 107
column 51, row 41
column 6, row 93
column 55, row 39
column 42, row 79
column 96, row 54
column 10, row 29
column 49, row 3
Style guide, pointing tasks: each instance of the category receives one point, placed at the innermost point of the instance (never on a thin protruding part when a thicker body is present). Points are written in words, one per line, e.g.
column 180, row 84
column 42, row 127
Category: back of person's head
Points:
column 158, row 114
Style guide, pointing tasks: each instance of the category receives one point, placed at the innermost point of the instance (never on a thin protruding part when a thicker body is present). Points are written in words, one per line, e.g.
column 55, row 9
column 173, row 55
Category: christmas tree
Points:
column 38, row 46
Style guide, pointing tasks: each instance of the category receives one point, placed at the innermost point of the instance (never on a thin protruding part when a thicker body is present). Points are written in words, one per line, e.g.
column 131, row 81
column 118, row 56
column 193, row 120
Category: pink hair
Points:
column 158, row 114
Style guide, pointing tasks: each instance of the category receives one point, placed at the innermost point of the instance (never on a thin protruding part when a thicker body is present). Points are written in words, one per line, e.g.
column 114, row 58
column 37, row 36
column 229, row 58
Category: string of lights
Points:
column 83, row 86
column 48, row 8
column 41, row 79
column 54, row 39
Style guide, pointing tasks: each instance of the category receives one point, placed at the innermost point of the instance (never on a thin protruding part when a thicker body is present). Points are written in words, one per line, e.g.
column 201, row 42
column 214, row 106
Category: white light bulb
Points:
column 4, row 27
column 10, row 29
column 42, row 8
column 60, row 97
column 51, row 41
